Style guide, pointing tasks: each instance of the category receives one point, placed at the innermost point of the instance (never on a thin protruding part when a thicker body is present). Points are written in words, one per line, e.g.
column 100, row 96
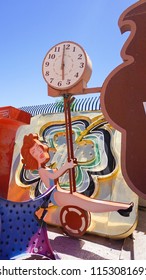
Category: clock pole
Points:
column 67, row 69
column 69, row 140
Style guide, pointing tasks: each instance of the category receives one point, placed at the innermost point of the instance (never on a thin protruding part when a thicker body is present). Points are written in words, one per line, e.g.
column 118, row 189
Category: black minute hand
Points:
column 62, row 62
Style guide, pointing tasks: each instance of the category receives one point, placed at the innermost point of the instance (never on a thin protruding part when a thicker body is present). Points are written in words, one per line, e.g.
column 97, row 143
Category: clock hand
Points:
column 62, row 62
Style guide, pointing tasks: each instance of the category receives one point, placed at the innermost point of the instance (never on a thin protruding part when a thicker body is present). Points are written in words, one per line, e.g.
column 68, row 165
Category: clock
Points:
column 66, row 65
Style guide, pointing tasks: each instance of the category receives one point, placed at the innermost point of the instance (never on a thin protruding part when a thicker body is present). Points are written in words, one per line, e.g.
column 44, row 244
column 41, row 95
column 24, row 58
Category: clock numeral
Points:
column 68, row 82
column 74, row 49
column 51, row 56
column 59, row 83
column 81, row 65
column 57, row 49
column 47, row 64
column 76, row 75
column 80, row 56
column 51, row 80
column 47, row 73
column 67, row 47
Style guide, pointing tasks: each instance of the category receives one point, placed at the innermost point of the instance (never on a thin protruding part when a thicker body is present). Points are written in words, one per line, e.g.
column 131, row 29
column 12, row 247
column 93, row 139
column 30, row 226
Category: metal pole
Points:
column 69, row 141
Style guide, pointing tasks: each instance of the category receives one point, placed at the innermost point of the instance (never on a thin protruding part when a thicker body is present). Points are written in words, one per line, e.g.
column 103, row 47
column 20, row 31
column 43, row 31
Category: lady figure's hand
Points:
column 70, row 164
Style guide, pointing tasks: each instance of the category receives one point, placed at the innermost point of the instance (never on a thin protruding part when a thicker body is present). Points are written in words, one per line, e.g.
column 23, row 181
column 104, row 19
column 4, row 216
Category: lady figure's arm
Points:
column 45, row 174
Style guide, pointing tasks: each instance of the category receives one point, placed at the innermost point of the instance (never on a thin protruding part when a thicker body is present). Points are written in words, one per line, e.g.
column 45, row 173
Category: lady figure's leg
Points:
column 63, row 198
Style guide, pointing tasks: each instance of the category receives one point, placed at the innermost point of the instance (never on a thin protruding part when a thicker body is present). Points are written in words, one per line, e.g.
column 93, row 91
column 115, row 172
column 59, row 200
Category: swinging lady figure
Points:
column 35, row 155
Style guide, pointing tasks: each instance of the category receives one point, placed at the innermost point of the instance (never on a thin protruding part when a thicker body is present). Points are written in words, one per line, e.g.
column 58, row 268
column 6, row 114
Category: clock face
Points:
column 64, row 65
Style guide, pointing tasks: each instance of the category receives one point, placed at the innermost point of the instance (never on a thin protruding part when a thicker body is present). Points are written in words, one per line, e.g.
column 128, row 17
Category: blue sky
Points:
column 29, row 28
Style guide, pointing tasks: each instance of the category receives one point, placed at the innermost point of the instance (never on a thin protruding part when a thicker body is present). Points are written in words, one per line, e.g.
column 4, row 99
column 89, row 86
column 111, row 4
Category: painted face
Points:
column 38, row 153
